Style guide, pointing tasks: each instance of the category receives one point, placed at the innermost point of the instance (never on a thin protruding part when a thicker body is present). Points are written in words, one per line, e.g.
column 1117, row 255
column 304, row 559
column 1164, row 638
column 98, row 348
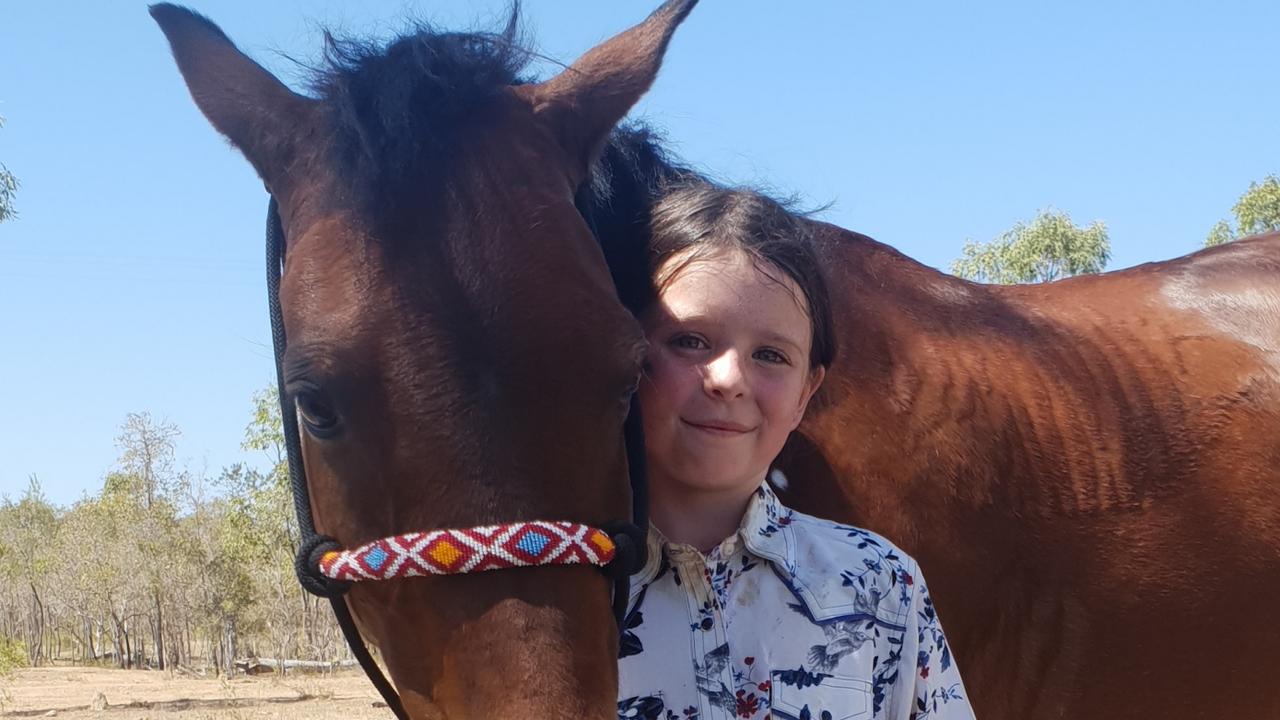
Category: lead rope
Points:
column 311, row 543
column 630, row 539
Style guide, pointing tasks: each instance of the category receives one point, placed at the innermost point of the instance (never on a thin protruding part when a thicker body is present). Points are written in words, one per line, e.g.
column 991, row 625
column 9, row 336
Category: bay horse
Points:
column 1088, row 470
column 457, row 355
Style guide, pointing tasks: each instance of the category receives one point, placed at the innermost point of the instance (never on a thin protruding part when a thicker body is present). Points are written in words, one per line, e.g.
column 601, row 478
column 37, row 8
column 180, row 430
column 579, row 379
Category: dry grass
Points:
column 139, row 695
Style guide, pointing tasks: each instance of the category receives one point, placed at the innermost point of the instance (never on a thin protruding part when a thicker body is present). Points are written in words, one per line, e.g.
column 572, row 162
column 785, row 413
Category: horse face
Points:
column 457, row 353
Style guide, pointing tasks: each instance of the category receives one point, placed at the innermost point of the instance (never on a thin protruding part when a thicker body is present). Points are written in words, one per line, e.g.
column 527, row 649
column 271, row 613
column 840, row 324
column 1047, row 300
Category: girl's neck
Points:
column 701, row 518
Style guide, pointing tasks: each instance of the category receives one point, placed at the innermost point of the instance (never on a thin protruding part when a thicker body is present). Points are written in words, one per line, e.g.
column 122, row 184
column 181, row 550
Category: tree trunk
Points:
column 159, row 634
column 126, row 656
column 36, row 628
column 229, row 649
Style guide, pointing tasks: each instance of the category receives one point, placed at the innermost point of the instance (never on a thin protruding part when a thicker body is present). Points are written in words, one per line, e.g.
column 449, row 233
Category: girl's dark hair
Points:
column 693, row 221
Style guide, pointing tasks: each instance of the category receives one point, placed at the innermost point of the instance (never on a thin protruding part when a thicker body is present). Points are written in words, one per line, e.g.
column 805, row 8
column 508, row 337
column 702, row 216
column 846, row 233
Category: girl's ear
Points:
column 812, row 383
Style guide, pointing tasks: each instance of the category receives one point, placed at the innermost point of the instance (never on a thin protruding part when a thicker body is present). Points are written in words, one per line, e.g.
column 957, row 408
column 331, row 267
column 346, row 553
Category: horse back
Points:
column 1086, row 469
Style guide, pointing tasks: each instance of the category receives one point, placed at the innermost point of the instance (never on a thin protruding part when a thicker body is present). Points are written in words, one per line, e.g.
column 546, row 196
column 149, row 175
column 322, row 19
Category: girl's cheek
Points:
column 785, row 390
column 671, row 362
column 666, row 374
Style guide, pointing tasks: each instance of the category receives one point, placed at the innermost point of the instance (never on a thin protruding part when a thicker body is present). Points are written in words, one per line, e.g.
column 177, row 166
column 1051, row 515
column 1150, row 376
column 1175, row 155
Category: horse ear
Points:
column 585, row 101
column 244, row 102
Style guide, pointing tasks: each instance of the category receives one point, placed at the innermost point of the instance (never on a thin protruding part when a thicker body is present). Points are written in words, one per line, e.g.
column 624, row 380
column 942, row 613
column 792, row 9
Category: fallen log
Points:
column 260, row 666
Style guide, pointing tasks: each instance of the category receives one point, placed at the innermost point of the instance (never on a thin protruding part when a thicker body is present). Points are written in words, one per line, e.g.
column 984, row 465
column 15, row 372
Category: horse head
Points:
column 457, row 354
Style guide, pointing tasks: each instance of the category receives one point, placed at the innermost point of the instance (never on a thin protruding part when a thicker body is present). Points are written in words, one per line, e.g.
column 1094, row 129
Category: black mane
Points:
column 394, row 109
column 634, row 171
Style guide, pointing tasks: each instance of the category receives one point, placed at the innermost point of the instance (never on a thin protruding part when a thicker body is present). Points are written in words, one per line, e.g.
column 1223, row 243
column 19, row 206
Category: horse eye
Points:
column 319, row 417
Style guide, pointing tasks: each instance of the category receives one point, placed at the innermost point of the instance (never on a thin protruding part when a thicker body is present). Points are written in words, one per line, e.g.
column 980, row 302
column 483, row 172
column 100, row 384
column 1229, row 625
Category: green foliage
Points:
column 25, row 526
column 1257, row 211
column 268, row 499
column 154, row 558
column 1050, row 247
column 8, row 188
column 1220, row 234
column 265, row 431
column 13, row 655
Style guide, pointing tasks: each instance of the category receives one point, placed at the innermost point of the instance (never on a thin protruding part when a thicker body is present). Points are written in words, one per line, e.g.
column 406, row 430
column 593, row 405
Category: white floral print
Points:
column 791, row 618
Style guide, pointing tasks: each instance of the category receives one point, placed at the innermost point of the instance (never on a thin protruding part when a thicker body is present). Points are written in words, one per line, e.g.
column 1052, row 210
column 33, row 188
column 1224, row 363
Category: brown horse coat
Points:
column 1087, row 470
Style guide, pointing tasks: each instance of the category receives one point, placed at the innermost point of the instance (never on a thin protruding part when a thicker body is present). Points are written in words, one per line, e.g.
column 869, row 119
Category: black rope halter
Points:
column 629, row 538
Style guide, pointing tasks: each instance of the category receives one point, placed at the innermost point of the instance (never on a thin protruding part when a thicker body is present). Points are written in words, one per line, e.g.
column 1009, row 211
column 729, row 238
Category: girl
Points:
column 747, row 609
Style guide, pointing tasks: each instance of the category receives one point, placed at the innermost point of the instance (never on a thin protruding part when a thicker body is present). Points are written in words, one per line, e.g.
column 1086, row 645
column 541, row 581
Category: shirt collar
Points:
column 760, row 532
column 762, row 526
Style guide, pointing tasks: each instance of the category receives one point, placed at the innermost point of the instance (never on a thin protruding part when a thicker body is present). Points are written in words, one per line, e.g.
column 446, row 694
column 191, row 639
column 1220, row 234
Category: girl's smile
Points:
column 726, row 429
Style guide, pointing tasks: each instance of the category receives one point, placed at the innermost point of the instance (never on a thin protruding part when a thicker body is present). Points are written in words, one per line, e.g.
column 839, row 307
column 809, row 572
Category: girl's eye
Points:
column 688, row 342
column 772, row 356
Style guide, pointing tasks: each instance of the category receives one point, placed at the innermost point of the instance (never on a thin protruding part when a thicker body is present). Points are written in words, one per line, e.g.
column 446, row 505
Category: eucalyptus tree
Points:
column 1257, row 211
column 1050, row 247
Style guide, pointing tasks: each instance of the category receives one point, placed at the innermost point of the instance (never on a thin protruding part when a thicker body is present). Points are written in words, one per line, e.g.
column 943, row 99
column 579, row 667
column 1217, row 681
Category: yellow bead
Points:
column 445, row 554
column 602, row 541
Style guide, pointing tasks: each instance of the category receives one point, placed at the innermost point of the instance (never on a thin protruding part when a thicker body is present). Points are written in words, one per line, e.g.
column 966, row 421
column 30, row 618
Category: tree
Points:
column 26, row 560
column 1050, row 247
column 147, row 455
column 158, row 569
column 147, row 469
column 263, row 502
column 1257, row 211
column 8, row 188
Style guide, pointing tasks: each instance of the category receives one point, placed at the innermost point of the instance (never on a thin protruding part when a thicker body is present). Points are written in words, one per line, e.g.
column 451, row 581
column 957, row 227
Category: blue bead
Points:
column 375, row 558
column 533, row 543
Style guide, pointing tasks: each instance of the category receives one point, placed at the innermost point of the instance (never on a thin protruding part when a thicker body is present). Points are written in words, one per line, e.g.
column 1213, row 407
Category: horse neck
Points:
column 911, row 389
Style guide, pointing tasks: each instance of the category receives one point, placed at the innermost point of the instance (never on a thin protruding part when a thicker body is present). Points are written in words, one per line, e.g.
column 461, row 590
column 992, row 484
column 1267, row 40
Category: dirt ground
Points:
column 74, row 694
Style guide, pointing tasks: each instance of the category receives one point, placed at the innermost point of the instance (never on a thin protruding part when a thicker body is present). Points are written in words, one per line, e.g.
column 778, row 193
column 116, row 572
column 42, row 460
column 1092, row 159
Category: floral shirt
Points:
column 791, row 618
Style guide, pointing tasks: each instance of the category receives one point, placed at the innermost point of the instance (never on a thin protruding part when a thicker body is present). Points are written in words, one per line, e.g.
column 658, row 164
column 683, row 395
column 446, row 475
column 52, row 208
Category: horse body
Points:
column 1086, row 471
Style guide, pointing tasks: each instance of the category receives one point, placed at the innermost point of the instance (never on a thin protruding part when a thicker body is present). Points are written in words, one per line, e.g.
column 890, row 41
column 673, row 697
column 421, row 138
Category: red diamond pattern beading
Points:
column 493, row 547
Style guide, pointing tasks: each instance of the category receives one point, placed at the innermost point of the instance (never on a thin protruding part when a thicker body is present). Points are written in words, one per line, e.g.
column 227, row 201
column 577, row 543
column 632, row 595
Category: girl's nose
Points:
column 723, row 375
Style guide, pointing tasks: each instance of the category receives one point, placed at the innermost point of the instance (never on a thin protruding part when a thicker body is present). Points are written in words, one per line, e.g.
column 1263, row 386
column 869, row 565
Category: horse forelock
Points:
column 393, row 110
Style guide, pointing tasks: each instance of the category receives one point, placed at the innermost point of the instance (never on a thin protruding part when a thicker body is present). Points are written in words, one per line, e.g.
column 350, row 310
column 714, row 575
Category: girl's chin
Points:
column 707, row 480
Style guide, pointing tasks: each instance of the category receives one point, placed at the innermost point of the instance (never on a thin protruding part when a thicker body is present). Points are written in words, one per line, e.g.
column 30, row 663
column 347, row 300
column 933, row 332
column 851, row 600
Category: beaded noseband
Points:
column 477, row 549
column 326, row 569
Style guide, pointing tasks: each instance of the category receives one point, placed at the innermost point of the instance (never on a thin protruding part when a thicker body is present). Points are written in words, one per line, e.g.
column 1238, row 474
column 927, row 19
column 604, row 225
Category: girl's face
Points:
column 728, row 374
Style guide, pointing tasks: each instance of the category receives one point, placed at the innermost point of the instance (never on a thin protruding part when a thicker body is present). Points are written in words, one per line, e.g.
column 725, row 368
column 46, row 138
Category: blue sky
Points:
column 132, row 280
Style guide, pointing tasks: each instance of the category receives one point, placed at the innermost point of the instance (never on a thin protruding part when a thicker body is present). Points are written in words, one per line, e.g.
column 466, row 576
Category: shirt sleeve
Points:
column 939, row 691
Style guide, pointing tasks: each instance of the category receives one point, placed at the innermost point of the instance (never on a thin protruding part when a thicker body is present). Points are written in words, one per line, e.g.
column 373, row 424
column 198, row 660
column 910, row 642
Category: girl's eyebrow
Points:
column 780, row 339
column 670, row 320
column 772, row 337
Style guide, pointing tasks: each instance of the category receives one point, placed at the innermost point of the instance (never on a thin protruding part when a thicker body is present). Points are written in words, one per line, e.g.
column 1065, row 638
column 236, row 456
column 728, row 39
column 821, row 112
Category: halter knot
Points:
column 307, row 564
column 632, row 549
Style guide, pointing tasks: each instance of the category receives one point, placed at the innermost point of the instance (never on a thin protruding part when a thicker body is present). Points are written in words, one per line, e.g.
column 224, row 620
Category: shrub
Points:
column 13, row 655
